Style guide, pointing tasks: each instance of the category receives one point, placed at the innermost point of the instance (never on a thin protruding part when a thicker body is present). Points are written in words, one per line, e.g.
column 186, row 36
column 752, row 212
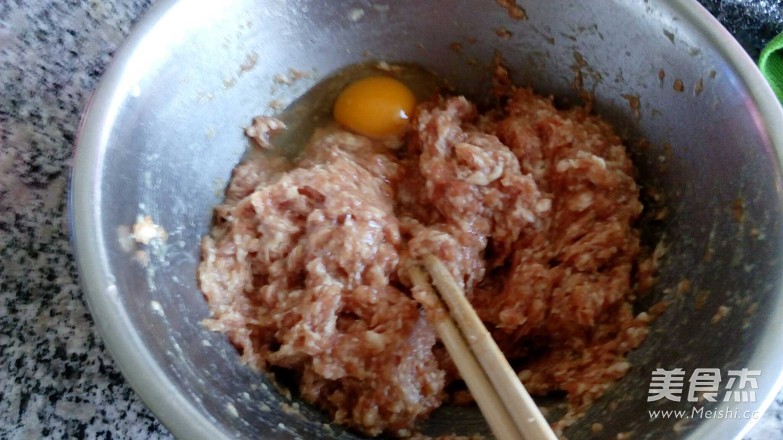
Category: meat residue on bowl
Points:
column 532, row 208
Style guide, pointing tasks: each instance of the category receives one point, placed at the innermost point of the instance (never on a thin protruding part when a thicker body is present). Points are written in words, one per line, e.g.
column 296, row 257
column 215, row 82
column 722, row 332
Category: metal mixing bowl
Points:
column 164, row 130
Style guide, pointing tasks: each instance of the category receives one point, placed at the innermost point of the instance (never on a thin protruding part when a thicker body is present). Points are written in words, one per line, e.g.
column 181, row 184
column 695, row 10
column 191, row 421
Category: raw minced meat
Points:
column 531, row 208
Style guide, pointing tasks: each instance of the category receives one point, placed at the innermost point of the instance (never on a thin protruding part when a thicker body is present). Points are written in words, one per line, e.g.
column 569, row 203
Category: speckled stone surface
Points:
column 752, row 22
column 56, row 378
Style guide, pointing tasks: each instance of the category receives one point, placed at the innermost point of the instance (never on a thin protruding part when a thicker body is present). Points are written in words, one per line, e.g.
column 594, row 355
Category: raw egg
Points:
column 376, row 106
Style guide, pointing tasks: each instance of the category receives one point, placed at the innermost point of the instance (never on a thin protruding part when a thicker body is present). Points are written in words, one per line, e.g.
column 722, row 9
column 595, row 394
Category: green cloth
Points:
column 771, row 65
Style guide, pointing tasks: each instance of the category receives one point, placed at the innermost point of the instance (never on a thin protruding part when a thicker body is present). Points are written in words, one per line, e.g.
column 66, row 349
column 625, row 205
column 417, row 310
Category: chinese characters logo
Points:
column 703, row 383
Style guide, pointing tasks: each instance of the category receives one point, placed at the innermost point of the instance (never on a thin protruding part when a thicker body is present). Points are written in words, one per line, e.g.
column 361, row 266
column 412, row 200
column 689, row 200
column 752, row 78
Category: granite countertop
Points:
column 56, row 378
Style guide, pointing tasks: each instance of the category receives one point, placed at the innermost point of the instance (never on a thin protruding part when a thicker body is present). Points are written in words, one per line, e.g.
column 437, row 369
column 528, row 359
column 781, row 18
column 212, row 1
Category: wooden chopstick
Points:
column 489, row 402
column 526, row 416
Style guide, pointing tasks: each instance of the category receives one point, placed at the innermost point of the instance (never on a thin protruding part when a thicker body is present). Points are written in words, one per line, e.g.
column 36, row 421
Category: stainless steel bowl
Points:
column 164, row 130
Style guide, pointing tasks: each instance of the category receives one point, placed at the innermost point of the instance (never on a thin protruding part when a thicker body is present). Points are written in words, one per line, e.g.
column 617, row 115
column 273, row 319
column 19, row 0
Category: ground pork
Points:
column 531, row 208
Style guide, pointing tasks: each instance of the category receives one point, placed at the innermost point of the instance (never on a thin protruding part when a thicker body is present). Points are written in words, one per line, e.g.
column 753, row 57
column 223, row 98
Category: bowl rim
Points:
column 767, row 351
column 178, row 414
column 135, row 361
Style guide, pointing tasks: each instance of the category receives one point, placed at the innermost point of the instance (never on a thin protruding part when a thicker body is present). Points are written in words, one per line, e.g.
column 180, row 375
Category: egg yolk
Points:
column 376, row 106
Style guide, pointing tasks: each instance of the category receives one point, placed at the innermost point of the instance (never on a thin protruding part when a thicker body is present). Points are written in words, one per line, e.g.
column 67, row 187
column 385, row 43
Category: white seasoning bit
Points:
column 644, row 317
column 370, row 417
column 581, row 201
column 280, row 78
column 206, row 343
column 383, row 65
column 157, row 308
column 375, row 340
column 145, row 231
column 356, row 14
column 296, row 74
column 543, row 205
column 263, row 129
column 232, row 409
column 112, row 291
column 720, row 314
column 386, row 67
column 565, row 165
column 620, row 367
column 250, row 62
column 264, row 407
column 281, row 425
